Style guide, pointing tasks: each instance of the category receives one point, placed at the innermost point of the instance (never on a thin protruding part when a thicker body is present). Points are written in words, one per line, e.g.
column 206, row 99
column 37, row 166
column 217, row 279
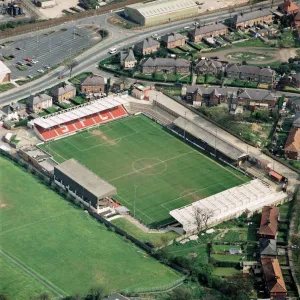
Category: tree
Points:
column 94, row 294
column 43, row 296
column 201, row 218
column 3, row 297
column 180, row 293
column 296, row 245
column 71, row 65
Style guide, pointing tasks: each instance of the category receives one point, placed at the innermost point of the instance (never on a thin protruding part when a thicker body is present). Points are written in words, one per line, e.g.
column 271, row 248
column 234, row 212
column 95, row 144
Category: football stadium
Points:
column 148, row 165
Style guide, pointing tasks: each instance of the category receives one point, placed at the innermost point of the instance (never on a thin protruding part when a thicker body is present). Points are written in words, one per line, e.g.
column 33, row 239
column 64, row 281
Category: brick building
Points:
column 147, row 46
column 61, row 93
column 173, row 40
column 165, row 65
column 93, row 84
column 196, row 34
column 253, row 18
column 269, row 222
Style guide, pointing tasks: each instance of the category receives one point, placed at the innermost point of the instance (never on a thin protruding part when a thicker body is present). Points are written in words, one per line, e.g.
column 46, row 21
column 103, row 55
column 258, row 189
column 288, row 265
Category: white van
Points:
column 112, row 51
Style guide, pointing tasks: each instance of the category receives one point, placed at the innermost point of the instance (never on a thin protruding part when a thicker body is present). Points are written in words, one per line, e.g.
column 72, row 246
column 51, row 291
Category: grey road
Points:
column 118, row 38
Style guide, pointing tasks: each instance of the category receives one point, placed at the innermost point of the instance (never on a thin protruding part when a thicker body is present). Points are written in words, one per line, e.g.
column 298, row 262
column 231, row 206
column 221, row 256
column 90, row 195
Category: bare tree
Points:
column 201, row 218
column 71, row 65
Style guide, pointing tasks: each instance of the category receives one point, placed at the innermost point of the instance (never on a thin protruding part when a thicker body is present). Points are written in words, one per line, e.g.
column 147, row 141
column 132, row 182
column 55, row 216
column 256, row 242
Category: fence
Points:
column 71, row 18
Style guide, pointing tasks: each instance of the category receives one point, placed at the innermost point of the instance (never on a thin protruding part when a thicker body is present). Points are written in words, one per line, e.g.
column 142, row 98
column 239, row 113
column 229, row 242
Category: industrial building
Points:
column 45, row 3
column 83, row 184
column 161, row 11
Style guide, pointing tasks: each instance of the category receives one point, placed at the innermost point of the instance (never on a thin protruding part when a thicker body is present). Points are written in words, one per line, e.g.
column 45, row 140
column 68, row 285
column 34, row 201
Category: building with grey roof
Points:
column 127, row 59
column 296, row 122
column 161, row 11
column 255, row 17
column 251, row 73
column 267, row 247
column 93, row 84
column 196, row 34
column 83, row 184
column 147, row 46
column 165, row 65
column 64, row 92
column 257, row 98
column 209, row 66
column 173, row 40
column 39, row 102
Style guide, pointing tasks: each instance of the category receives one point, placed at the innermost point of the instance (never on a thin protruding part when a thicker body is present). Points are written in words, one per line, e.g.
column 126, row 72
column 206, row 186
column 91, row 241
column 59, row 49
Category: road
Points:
column 118, row 38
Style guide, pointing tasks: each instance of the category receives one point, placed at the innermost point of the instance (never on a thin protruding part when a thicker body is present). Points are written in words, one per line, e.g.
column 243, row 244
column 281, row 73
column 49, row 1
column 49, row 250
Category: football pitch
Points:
column 45, row 238
column 136, row 151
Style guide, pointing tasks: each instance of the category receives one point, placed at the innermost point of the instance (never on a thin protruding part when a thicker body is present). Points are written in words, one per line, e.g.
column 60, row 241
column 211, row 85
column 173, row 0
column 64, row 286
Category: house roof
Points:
column 209, row 63
column 297, row 16
column 206, row 29
column 32, row 100
column 267, row 247
column 165, row 62
column 293, row 141
column 4, row 69
column 7, row 109
column 275, row 175
column 172, row 37
column 296, row 76
column 86, row 178
column 288, row 6
column 205, row 91
column 61, row 90
column 250, row 70
column 251, row 15
column 127, row 55
column 93, row 80
column 147, row 43
column 269, row 220
column 296, row 122
column 257, row 95
column 273, row 275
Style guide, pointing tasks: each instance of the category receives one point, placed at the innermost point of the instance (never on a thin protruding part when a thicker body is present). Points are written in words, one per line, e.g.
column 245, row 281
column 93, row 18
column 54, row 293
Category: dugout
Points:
column 83, row 184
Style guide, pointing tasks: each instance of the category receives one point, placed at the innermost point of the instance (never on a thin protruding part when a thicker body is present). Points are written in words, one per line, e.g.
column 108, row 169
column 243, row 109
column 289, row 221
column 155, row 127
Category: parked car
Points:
column 11, row 56
column 214, row 57
column 18, row 48
column 34, row 61
column 30, row 76
column 41, row 71
column 29, row 64
column 196, row 23
column 28, row 59
column 47, row 67
column 20, row 63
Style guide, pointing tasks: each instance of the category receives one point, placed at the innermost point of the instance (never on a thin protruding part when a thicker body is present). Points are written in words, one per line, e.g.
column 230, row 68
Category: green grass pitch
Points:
column 137, row 151
column 63, row 245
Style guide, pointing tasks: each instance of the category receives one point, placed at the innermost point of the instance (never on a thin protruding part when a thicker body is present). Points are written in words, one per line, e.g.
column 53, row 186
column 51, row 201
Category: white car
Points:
column 154, row 35
column 34, row 61
column 30, row 76
column 47, row 67
column 41, row 71
column 196, row 23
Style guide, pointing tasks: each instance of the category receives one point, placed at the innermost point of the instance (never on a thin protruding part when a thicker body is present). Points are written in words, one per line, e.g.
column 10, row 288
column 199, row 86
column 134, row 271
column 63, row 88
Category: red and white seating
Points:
column 79, row 118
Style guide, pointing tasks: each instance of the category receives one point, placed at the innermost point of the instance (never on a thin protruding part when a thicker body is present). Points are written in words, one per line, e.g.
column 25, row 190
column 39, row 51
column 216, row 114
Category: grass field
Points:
column 136, row 151
column 63, row 245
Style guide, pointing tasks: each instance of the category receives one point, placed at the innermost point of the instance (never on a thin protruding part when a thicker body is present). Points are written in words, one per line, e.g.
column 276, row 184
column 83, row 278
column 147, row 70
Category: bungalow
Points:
column 173, row 40
column 292, row 145
column 165, row 65
column 39, row 102
column 257, row 99
column 198, row 95
column 288, row 7
column 65, row 92
column 212, row 30
column 269, row 222
column 209, row 66
column 127, row 59
column 147, row 46
column 93, row 84
column 275, row 285
column 256, row 17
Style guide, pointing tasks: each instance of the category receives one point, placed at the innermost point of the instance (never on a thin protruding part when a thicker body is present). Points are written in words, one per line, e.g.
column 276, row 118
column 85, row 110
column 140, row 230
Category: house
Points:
column 196, row 34
column 234, row 107
column 296, row 122
column 147, row 46
column 39, row 102
column 5, row 73
column 257, row 99
column 251, row 73
column 14, row 111
column 93, row 84
column 267, row 247
column 127, row 59
column 269, row 222
column 296, row 21
column 209, row 66
column 274, row 282
column 138, row 91
column 64, row 92
column 118, row 86
column 253, row 18
column 296, row 80
column 165, row 65
column 199, row 95
column 292, row 145
column 173, row 40
column 288, row 7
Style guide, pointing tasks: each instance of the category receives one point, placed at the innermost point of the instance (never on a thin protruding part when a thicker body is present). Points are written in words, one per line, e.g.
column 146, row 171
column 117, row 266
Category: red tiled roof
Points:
column 273, row 275
column 269, row 219
column 276, row 175
column 288, row 6
column 293, row 142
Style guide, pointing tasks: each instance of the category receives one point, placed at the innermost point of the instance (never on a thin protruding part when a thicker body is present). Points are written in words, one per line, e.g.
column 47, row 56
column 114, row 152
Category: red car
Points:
column 28, row 59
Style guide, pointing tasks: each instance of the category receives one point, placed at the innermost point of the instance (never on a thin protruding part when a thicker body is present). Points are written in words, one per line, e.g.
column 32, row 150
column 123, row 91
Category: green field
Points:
column 63, row 245
column 136, row 151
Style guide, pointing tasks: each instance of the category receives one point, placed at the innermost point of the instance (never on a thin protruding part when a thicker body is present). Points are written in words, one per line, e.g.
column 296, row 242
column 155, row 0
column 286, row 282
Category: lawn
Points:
column 231, row 258
column 6, row 86
column 63, row 245
column 157, row 239
column 225, row 272
column 248, row 56
column 136, row 151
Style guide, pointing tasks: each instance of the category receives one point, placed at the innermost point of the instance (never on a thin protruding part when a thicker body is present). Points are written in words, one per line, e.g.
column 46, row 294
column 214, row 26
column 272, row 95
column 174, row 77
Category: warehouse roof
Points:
column 162, row 7
column 229, row 203
column 87, row 179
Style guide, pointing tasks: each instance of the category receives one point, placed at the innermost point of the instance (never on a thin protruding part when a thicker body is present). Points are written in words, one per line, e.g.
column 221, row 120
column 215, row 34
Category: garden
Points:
column 249, row 56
